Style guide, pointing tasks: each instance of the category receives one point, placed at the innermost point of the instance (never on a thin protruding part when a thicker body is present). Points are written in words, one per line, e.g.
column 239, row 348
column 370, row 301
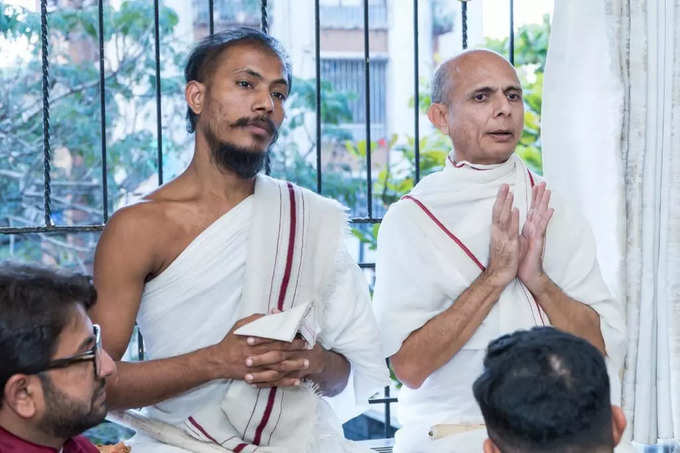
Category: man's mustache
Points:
column 259, row 121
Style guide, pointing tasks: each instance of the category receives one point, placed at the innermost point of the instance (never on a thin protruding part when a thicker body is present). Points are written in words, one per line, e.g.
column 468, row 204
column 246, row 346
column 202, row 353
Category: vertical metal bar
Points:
column 416, row 89
column 211, row 16
column 367, row 77
column 317, row 56
column 512, row 32
column 102, row 112
column 465, row 26
column 264, row 26
column 159, row 126
column 388, row 413
column 264, row 22
column 46, row 113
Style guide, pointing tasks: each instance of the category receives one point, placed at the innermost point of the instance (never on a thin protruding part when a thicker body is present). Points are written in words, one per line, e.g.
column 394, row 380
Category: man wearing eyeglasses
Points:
column 54, row 370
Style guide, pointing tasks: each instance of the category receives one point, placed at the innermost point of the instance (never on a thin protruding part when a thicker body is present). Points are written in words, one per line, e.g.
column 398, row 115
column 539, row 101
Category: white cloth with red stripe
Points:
column 279, row 248
column 421, row 270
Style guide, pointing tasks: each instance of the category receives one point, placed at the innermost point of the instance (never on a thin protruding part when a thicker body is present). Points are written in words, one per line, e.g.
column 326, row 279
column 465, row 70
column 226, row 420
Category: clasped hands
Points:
column 514, row 254
column 263, row 362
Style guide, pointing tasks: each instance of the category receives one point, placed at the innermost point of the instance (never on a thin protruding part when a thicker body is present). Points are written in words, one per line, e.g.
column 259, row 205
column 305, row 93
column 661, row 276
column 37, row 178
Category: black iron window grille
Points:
column 371, row 14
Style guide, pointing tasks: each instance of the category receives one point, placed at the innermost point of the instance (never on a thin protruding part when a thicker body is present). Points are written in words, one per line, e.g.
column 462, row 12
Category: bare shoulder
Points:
column 142, row 235
column 134, row 229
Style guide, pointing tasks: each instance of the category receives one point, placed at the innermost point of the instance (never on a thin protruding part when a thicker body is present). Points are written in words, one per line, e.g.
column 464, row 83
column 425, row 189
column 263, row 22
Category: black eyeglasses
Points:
column 94, row 354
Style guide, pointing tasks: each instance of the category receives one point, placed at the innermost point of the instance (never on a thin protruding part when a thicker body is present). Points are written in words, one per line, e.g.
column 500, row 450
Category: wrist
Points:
column 496, row 280
column 539, row 285
column 210, row 360
column 321, row 364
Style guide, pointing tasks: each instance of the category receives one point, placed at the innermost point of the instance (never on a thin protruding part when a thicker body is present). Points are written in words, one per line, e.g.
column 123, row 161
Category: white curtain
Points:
column 611, row 142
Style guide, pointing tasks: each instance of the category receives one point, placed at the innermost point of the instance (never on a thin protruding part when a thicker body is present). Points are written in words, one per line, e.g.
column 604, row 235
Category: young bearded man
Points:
column 219, row 247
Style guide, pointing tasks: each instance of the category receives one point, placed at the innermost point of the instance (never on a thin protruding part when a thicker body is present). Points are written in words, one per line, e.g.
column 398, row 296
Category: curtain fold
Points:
column 611, row 138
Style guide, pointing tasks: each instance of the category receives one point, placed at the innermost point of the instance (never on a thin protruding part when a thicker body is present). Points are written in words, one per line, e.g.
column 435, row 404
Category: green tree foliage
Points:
column 75, row 127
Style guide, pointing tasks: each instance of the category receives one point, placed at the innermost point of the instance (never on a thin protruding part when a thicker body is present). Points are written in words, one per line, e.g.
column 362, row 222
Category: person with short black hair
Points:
column 54, row 369
column 218, row 250
column 544, row 391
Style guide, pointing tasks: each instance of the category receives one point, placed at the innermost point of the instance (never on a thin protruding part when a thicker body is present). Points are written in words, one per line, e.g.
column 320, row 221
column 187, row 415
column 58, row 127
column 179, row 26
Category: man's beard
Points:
column 65, row 418
column 245, row 162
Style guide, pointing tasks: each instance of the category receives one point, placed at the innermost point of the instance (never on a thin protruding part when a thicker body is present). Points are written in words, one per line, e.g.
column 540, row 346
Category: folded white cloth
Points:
column 283, row 326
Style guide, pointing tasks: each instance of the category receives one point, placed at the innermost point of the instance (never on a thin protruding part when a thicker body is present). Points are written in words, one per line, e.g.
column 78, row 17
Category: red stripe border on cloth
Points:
column 446, row 231
column 271, row 399
column 291, row 247
column 201, row 429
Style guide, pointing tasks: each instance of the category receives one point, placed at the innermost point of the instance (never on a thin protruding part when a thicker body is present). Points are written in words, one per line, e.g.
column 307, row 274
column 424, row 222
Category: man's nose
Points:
column 264, row 102
column 108, row 366
column 502, row 106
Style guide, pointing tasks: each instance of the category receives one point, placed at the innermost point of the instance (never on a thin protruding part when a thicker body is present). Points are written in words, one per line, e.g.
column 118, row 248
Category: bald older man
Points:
column 477, row 250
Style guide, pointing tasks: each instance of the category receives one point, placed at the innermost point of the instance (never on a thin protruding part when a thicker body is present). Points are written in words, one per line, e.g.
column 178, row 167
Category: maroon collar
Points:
column 10, row 443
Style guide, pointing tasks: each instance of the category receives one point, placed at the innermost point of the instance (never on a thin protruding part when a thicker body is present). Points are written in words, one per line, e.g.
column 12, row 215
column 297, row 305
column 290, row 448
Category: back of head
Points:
column 36, row 303
column 203, row 57
column 544, row 390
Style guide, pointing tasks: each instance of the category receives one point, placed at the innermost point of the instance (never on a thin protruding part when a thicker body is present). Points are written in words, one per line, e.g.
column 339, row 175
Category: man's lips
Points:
column 501, row 134
column 259, row 129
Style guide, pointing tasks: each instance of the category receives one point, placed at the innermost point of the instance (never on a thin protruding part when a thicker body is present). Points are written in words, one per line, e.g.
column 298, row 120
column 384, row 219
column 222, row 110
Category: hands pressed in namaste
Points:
column 513, row 254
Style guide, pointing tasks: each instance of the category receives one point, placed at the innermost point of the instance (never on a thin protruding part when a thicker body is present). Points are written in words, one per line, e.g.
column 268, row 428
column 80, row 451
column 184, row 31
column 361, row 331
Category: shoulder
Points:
column 150, row 216
column 137, row 222
column 137, row 234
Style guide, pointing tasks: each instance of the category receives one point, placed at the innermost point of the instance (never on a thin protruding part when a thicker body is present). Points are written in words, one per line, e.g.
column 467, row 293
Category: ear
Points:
column 194, row 93
column 438, row 115
column 20, row 395
column 618, row 424
column 490, row 447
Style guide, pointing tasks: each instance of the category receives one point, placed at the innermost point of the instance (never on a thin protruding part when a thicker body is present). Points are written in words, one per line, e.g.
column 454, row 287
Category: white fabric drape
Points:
column 610, row 131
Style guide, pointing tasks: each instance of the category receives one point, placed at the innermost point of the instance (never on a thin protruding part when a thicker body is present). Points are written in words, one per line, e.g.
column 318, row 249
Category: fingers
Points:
column 537, row 194
column 514, row 224
column 268, row 358
column 257, row 341
column 499, row 203
column 283, row 382
column 502, row 213
column 278, row 360
column 298, row 344
column 269, row 377
column 546, row 219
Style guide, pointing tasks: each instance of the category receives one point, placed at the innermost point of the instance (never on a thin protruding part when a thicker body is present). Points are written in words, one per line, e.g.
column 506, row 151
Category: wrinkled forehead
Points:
column 476, row 71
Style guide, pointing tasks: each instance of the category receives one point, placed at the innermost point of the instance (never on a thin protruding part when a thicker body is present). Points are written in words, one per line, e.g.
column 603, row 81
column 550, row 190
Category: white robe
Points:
column 421, row 270
column 242, row 264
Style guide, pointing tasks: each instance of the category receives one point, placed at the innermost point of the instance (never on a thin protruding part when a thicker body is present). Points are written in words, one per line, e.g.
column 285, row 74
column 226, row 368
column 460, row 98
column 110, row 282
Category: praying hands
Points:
column 519, row 255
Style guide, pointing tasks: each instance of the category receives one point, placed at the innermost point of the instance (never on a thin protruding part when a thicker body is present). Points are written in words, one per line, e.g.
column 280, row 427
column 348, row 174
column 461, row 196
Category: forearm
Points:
column 437, row 341
column 568, row 314
column 145, row 383
column 332, row 379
